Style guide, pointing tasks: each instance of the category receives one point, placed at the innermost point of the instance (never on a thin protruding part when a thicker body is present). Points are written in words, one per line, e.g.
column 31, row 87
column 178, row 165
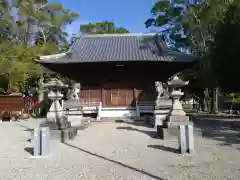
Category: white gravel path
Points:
column 110, row 151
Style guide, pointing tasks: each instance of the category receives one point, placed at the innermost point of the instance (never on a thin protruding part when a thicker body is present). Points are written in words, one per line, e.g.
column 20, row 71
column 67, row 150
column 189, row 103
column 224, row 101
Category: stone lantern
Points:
column 60, row 127
column 177, row 116
column 56, row 118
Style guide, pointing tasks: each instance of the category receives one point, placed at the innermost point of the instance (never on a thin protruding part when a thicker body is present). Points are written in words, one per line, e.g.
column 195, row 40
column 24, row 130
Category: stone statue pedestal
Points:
column 173, row 121
column 160, row 115
column 161, row 111
column 74, row 113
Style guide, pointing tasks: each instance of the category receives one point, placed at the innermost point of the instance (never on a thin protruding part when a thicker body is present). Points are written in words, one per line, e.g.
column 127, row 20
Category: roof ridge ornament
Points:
column 118, row 35
column 158, row 40
column 54, row 56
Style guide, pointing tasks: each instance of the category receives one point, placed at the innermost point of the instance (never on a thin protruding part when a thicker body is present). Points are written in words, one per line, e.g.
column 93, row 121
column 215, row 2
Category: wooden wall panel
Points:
column 107, row 96
column 11, row 103
column 90, row 96
column 117, row 94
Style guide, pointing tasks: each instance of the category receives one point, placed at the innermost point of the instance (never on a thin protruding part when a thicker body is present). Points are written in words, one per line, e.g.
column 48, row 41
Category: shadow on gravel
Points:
column 116, row 162
column 226, row 131
column 26, row 128
column 136, row 123
column 164, row 148
column 152, row 133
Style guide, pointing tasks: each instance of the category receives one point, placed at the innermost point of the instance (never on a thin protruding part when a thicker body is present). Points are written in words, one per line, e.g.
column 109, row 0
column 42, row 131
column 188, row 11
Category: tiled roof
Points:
column 123, row 47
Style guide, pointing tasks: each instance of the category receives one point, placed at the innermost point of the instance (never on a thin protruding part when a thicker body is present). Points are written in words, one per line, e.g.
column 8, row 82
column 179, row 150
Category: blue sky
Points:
column 130, row 14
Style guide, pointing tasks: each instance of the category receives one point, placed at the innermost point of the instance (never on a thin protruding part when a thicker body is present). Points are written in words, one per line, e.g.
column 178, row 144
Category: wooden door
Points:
column 118, row 97
column 114, row 96
column 90, row 96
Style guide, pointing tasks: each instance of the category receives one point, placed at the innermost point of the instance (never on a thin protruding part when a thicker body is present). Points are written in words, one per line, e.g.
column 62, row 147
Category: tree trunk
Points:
column 212, row 100
column 216, row 95
column 9, row 90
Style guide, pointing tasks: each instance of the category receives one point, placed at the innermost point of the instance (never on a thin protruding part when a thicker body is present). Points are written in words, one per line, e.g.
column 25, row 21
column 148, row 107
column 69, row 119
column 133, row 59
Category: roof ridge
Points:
column 118, row 35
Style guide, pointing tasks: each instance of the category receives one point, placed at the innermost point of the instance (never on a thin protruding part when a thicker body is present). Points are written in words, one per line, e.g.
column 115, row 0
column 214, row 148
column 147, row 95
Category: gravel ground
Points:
column 111, row 151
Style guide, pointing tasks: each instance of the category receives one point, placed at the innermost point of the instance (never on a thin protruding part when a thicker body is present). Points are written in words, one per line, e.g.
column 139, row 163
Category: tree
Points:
column 169, row 15
column 104, row 27
column 54, row 18
column 191, row 26
column 36, row 21
column 29, row 28
column 225, row 52
column 18, row 63
column 202, row 27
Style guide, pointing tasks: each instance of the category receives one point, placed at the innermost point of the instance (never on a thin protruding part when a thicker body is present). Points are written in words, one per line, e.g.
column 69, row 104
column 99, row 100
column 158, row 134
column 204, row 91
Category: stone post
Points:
column 45, row 136
column 36, row 141
column 190, row 139
column 99, row 110
column 137, row 110
column 182, row 140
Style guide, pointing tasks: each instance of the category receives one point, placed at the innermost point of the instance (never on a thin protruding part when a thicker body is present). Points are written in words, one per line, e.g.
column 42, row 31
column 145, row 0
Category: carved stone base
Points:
column 61, row 132
column 76, row 120
column 174, row 121
column 75, row 117
column 59, row 125
column 55, row 115
column 159, row 116
column 178, row 112
column 173, row 132
column 63, row 135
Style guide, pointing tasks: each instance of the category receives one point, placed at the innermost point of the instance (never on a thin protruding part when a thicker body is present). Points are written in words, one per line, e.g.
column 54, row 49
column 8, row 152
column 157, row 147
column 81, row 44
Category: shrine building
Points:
column 117, row 72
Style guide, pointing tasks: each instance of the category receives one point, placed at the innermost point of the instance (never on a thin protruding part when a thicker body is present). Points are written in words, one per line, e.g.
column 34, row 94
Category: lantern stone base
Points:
column 61, row 130
column 173, row 132
column 75, row 117
column 63, row 135
column 170, row 128
column 173, row 121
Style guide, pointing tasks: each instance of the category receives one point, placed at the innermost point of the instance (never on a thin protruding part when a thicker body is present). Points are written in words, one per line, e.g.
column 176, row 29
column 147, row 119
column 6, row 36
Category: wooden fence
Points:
column 16, row 105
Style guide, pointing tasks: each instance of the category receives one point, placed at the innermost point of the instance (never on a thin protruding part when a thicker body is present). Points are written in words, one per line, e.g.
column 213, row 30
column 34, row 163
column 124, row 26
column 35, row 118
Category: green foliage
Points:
column 234, row 97
column 225, row 52
column 169, row 16
column 17, row 61
column 34, row 21
column 29, row 28
column 104, row 27
column 208, row 29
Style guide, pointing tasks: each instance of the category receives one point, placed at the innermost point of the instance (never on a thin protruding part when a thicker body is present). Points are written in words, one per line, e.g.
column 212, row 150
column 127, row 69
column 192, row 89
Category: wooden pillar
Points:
column 135, row 94
column 103, row 96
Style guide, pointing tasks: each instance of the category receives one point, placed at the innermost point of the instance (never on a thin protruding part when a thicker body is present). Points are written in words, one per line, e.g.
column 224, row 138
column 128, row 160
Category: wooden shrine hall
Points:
column 117, row 71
